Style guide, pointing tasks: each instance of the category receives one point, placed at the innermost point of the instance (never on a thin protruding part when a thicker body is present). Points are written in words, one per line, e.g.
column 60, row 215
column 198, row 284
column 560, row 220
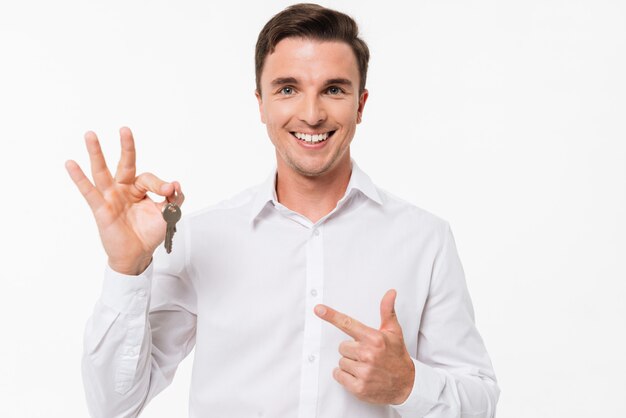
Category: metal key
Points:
column 171, row 213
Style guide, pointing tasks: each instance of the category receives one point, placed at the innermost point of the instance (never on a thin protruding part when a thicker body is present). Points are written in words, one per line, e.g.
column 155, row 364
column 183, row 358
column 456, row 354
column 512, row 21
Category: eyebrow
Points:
column 340, row 81
column 280, row 81
column 284, row 80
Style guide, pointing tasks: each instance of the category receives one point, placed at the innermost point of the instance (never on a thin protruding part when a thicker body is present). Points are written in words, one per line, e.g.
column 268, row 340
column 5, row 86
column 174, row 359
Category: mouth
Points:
column 313, row 138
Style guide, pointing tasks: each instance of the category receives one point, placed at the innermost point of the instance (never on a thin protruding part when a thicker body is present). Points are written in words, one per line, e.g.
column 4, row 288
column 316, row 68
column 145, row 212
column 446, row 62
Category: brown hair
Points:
column 311, row 21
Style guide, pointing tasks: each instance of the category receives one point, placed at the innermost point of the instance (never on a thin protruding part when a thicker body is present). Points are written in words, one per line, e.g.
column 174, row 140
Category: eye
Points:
column 334, row 90
column 287, row 91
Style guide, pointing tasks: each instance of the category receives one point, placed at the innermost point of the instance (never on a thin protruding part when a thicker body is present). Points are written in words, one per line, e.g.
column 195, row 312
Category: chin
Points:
column 314, row 169
column 310, row 171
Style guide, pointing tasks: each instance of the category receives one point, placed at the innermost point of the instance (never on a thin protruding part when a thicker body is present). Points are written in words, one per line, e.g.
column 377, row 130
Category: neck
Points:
column 313, row 197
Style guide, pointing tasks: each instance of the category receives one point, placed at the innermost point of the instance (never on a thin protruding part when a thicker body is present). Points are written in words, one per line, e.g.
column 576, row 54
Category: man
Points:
column 314, row 294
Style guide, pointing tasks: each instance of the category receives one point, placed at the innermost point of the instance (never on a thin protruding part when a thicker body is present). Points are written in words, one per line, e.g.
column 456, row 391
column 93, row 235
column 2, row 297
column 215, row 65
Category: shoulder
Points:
column 403, row 208
column 395, row 211
column 411, row 216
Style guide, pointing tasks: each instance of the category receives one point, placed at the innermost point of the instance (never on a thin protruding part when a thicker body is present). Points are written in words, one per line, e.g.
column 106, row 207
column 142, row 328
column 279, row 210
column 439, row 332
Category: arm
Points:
column 453, row 373
column 144, row 323
column 141, row 328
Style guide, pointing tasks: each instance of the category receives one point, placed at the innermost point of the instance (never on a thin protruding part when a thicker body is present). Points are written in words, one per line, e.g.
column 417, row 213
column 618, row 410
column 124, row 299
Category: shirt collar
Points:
column 362, row 182
column 266, row 191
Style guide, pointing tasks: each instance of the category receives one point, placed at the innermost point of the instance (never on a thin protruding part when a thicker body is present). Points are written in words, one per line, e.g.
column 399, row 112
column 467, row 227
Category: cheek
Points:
column 343, row 109
column 347, row 114
column 276, row 114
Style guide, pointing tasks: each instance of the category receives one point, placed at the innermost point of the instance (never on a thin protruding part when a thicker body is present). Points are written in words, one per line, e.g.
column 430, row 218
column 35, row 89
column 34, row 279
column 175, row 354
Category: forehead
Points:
column 310, row 61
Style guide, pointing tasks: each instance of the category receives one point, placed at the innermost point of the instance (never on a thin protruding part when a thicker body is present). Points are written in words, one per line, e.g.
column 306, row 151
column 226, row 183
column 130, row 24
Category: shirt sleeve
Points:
column 453, row 373
column 142, row 327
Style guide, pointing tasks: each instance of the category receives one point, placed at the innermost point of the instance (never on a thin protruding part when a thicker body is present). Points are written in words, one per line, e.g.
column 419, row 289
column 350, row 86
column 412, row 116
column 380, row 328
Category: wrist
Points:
column 407, row 387
column 134, row 268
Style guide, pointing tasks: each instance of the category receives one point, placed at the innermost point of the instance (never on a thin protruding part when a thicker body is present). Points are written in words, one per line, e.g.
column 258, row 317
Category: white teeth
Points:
column 313, row 139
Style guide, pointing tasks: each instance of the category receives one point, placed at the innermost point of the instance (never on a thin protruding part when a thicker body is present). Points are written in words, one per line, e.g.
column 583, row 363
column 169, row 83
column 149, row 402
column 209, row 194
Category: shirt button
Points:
column 313, row 292
column 131, row 352
column 311, row 358
column 316, row 232
column 141, row 293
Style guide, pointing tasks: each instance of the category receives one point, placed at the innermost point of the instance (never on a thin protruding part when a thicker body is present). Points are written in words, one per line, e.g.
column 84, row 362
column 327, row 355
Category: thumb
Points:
column 388, row 318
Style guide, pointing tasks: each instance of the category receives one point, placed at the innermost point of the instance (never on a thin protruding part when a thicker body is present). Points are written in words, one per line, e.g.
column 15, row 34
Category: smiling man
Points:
column 314, row 294
column 310, row 100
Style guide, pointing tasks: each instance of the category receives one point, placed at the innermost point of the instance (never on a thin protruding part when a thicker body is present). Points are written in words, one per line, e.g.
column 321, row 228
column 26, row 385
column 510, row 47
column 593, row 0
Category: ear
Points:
column 260, row 101
column 362, row 100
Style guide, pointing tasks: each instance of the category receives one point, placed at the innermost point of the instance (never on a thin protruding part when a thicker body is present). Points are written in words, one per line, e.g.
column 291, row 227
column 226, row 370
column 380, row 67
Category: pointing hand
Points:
column 375, row 367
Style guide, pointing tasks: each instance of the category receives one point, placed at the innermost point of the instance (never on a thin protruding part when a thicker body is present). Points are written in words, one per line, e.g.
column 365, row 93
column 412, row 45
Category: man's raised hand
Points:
column 130, row 223
column 375, row 367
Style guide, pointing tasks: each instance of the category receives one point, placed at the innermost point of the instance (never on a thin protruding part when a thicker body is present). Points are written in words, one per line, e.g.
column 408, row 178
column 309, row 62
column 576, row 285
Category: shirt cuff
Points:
column 427, row 387
column 126, row 294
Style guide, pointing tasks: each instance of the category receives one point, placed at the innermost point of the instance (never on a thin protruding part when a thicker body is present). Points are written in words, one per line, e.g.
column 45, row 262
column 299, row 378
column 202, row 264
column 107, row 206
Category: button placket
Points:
column 309, row 377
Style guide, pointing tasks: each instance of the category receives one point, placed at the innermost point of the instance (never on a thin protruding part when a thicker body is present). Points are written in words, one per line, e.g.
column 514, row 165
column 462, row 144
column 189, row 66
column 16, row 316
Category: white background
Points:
column 504, row 118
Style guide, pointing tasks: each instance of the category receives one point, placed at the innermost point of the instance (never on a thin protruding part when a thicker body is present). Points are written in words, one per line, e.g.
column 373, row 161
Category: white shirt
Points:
column 240, row 285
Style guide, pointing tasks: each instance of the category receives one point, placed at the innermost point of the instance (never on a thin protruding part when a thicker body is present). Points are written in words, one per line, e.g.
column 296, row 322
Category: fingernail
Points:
column 320, row 310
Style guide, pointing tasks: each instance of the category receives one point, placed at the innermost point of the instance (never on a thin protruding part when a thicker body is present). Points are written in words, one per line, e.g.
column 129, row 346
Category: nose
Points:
column 312, row 111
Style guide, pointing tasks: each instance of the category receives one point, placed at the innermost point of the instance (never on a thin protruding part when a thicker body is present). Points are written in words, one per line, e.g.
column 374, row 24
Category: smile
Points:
column 313, row 138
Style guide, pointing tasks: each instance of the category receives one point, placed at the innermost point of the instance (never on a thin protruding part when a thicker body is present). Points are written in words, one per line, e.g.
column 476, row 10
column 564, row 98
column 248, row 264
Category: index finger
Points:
column 345, row 323
column 177, row 197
